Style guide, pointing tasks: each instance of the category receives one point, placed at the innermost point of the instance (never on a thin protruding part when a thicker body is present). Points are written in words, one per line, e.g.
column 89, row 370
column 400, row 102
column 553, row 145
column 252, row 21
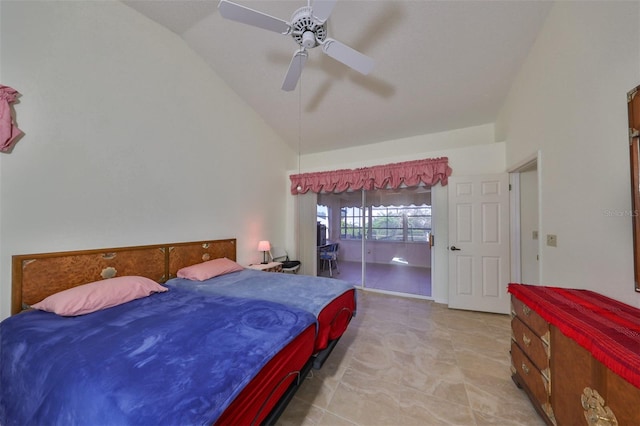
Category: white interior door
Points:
column 479, row 243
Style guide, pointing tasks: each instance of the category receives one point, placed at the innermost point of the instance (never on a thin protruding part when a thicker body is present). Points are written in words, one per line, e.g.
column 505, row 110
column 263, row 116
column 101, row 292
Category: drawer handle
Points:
column 526, row 340
column 596, row 413
column 525, row 368
column 526, row 310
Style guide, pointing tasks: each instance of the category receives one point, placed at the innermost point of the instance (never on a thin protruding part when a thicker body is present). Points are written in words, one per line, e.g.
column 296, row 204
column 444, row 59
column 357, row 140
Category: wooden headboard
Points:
column 36, row 276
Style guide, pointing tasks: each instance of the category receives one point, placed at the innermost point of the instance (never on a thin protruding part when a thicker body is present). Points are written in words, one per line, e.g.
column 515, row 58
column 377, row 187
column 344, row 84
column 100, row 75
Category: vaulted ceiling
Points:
column 439, row 65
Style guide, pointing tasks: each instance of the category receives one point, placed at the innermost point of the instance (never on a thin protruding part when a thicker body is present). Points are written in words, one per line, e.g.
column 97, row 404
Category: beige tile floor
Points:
column 414, row 362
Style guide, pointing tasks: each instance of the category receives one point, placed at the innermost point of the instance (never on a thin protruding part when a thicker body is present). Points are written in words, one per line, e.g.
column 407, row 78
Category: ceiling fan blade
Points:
column 295, row 70
column 239, row 13
column 348, row 56
column 322, row 9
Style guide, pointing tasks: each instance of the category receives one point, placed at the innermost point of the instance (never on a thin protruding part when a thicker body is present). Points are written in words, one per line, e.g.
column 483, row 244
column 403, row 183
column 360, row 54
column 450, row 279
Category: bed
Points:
column 258, row 392
column 331, row 301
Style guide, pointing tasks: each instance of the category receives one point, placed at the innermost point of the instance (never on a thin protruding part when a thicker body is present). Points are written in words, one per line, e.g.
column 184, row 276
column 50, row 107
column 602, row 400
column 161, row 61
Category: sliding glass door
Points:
column 383, row 237
column 351, row 232
column 398, row 254
column 332, row 209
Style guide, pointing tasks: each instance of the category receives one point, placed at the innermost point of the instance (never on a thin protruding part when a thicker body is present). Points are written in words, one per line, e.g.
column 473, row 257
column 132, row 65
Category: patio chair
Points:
column 330, row 256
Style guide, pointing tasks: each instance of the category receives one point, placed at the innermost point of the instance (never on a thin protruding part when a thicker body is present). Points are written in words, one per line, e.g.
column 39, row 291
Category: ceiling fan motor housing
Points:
column 307, row 31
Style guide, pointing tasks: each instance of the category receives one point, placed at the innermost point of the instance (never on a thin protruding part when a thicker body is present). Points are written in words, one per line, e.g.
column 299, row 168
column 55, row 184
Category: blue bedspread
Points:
column 300, row 291
column 168, row 359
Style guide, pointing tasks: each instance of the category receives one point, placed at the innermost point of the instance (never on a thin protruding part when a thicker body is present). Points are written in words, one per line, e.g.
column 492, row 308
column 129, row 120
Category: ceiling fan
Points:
column 308, row 27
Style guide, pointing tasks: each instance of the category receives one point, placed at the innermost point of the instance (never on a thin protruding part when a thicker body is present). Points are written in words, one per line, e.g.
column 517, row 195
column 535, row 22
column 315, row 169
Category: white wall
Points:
column 405, row 149
column 470, row 151
column 130, row 139
column 569, row 102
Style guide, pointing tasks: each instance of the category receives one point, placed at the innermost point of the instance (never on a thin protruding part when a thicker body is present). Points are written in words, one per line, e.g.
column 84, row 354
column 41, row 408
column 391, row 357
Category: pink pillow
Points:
column 99, row 295
column 209, row 269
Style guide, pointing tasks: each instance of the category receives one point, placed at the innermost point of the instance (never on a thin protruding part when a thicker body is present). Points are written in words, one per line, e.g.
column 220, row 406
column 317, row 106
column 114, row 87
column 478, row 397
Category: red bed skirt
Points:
column 260, row 396
column 607, row 328
column 334, row 319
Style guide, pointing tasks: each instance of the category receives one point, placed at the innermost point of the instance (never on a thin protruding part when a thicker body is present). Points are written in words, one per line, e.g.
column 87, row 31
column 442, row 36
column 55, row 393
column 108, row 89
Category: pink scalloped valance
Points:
column 409, row 173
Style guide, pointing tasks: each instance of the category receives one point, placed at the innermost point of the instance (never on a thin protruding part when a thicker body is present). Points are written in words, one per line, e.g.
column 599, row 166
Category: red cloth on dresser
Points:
column 609, row 329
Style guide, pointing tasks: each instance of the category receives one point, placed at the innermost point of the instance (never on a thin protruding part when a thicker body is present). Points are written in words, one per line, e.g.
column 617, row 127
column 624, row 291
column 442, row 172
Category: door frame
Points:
column 527, row 164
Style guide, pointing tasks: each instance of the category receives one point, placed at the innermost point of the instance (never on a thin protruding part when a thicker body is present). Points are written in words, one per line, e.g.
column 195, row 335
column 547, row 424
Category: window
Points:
column 387, row 223
column 418, row 223
column 322, row 215
column 351, row 223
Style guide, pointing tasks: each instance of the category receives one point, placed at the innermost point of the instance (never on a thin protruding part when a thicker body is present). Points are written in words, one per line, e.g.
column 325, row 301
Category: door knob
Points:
column 454, row 248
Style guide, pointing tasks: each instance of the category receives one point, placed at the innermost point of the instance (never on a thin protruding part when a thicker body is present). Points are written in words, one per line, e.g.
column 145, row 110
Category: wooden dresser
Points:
column 530, row 355
column 565, row 381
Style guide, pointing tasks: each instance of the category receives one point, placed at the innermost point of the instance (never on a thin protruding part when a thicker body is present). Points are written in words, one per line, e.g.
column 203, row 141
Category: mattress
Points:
column 331, row 301
column 170, row 358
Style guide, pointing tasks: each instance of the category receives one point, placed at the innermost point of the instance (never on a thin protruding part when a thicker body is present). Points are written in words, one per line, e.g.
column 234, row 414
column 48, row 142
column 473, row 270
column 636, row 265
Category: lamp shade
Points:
column 264, row 246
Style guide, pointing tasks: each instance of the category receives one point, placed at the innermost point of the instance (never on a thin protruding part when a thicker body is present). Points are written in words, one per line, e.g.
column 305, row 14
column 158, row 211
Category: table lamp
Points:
column 264, row 247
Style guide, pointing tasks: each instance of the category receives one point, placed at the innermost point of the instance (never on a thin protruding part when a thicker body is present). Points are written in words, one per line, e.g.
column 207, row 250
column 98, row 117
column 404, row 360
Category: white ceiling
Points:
column 440, row 65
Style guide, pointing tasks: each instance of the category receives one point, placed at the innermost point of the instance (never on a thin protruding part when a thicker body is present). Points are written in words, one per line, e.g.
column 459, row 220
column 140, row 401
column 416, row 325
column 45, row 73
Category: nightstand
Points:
column 267, row 267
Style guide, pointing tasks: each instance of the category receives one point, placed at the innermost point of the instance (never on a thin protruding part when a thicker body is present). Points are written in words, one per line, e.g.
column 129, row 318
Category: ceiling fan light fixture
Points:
column 308, row 40
column 304, row 25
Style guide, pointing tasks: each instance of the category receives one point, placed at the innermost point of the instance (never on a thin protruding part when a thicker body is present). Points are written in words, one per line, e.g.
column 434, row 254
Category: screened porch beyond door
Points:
column 387, row 277
column 386, row 232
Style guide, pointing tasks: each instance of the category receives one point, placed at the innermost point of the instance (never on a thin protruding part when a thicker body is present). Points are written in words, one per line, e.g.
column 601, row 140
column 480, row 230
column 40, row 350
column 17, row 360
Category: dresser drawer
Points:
column 528, row 316
column 533, row 379
column 531, row 344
